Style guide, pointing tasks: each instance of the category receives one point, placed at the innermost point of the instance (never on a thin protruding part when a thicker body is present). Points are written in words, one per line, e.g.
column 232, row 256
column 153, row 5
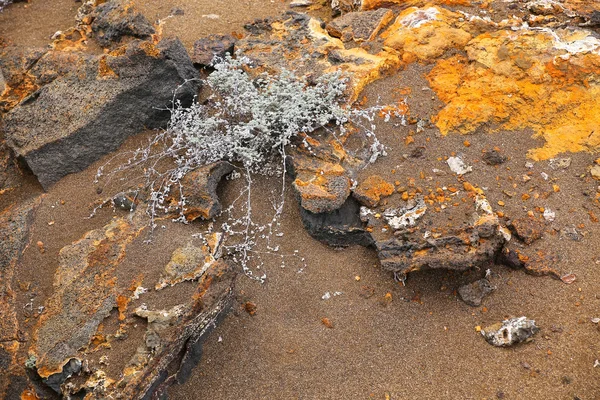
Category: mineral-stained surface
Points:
column 81, row 107
column 15, row 225
column 110, row 329
column 88, row 287
column 200, row 190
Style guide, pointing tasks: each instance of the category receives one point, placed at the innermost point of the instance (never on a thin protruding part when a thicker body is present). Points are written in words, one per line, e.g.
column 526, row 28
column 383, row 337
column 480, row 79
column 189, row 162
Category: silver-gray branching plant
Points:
column 249, row 122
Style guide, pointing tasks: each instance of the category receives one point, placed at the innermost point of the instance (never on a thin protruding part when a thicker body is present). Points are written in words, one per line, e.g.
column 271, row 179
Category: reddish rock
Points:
column 527, row 230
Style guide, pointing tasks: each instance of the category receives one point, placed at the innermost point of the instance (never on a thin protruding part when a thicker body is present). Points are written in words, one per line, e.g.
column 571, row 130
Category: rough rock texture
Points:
column 298, row 42
column 200, row 190
column 15, row 226
column 87, row 266
column 10, row 173
column 191, row 262
column 474, row 292
column 89, row 284
column 510, row 332
column 206, row 49
column 370, row 191
column 82, row 107
column 339, row 228
column 360, row 26
column 403, row 244
column 527, row 230
column 112, row 21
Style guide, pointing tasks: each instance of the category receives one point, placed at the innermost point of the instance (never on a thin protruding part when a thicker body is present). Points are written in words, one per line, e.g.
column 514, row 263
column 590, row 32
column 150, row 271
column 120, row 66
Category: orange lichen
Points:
column 425, row 33
column 545, row 81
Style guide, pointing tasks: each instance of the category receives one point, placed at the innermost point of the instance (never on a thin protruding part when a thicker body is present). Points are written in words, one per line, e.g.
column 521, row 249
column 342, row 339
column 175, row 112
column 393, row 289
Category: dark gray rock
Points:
column 493, row 157
column 474, row 292
column 206, row 49
column 95, row 104
column 341, row 227
column 112, row 21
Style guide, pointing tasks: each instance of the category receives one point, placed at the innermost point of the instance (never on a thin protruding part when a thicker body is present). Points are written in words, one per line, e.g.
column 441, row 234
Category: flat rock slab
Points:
column 82, row 107
column 91, row 337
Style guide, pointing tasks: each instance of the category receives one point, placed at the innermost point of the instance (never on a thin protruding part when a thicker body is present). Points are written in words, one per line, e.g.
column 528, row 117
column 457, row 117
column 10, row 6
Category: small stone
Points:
column 493, row 158
column 458, row 166
column 560, row 163
column 510, row 332
column 211, row 47
column 474, row 293
column 372, row 190
column 366, row 292
column 327, row 322
column 250, row 308
column 595, row 172
column 301, row 3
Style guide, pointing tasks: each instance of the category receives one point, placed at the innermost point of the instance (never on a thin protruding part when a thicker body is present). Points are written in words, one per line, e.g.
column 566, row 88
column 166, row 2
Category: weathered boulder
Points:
column 404, row 243
column 206, row 49
column 112, row 21
column 85, row 106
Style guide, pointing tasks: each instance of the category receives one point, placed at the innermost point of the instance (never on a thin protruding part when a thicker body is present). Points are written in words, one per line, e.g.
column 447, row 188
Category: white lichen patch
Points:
column 407, row 216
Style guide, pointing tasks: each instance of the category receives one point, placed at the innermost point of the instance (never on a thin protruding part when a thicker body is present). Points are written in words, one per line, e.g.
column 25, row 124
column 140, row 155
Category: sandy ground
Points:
column 422, row 345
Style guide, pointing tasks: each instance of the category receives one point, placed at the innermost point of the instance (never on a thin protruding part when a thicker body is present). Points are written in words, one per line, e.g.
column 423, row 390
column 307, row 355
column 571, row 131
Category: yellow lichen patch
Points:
column 543, row 80
column 426, row 33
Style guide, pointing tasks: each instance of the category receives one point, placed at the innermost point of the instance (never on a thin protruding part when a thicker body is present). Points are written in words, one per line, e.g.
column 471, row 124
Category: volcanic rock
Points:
column 527, row 230
column 113, row 21
column 474, row 292
column 15, row 226
column 370, row 191
column 200, row 190
column 338, row 228
column 510, row 332
column 206, row 49
column 87, row 106
column 360, row 26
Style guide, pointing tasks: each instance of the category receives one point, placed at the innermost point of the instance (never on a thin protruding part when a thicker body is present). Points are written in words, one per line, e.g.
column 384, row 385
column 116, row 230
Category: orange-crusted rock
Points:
column 426, row 33
column 542, row 79
column 87, row 99
column 200, row 190
column 527, row 230
column 370, row 191
column 322, row 186
column 298, row 42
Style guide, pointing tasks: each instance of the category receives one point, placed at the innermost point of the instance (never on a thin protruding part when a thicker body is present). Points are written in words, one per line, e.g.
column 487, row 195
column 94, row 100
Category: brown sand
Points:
column 423, row 345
